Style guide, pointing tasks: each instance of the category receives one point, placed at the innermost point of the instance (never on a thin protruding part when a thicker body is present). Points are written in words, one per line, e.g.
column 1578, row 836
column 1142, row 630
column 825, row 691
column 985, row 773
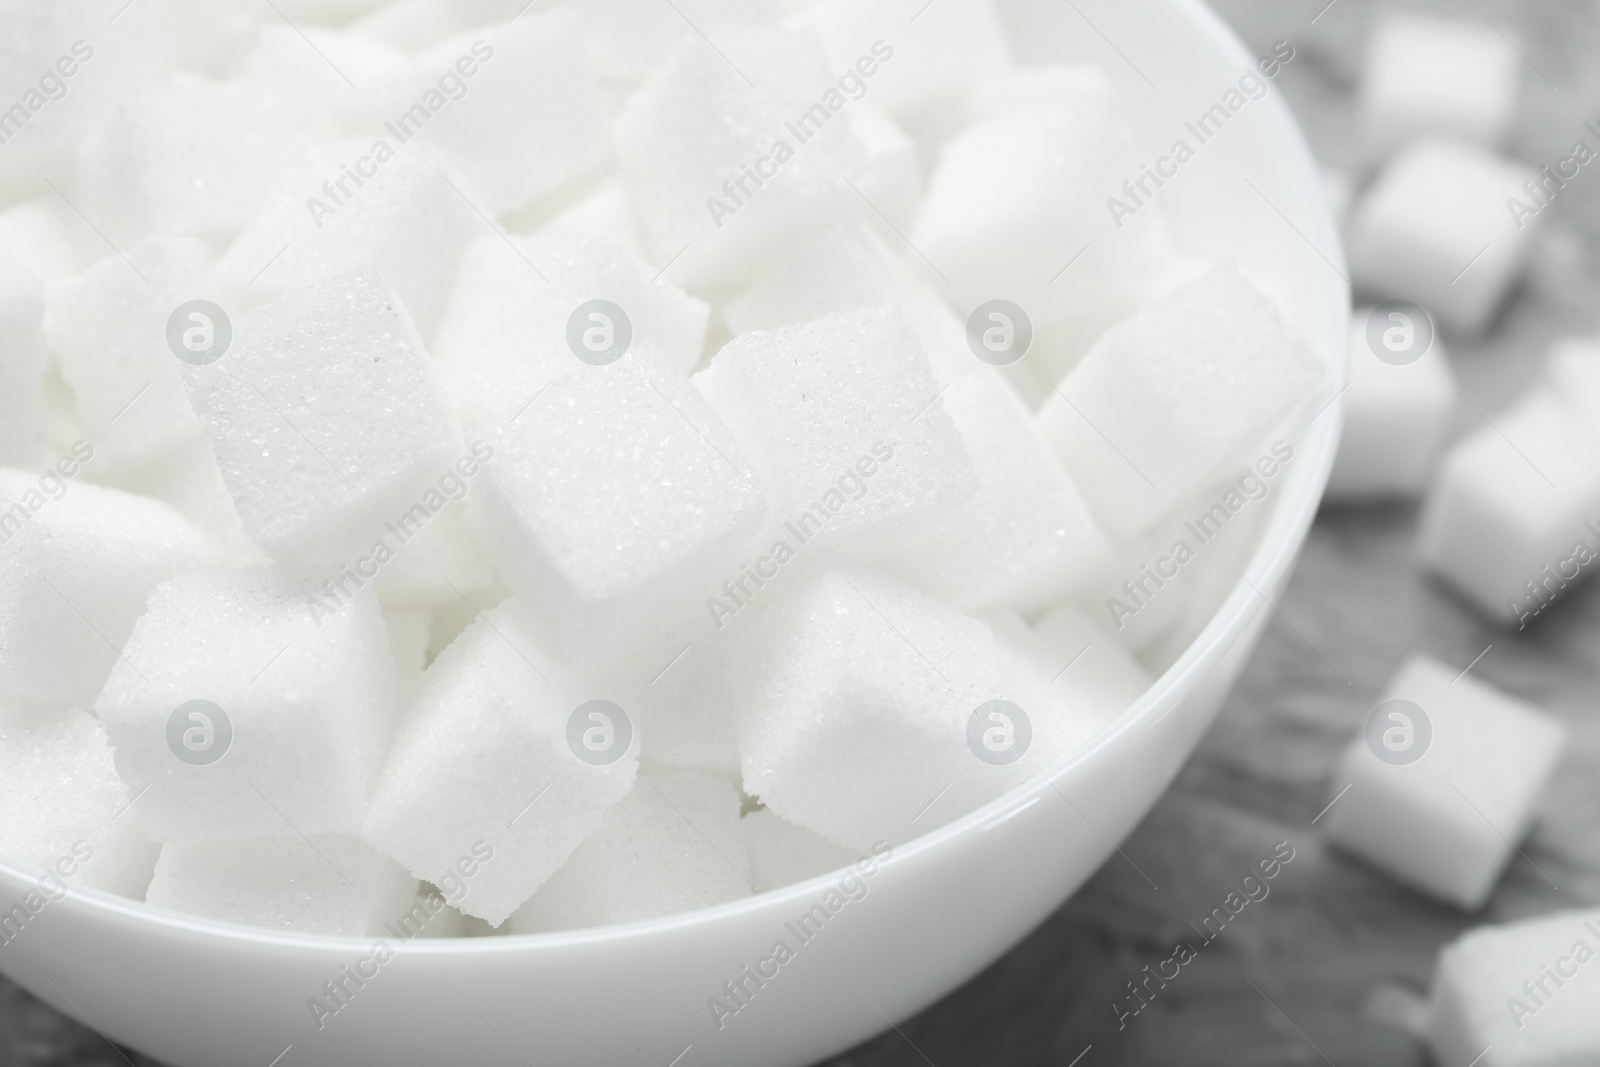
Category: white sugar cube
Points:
column 49, row 238
column 893, row 180
column 252, row 703
column 842, row 419
column 782, row 853
column 514, row 109
column 634, row 433
column 1520, row 994
column 1090, row 658
column 1509, row 519
column 1456, row 77
column 1572, row 373
column 629, row 39
column 604, row 214
column 1397, row 411
column 65, row 808
column 1165, row 400
column 870, row 712
column 22, row 363
column 337, row 69
column 722, row 198
column 200, row 160
column 109, row 326
column 509, row 326
column 497, row 727
column 410, row 633
column 672, row 845
column 913, row 58
column 678, row 684
column 192, row 483
column 1443, row 781
column 1016, row 200
column 320, row 884
column 1440, row 226
column 63, row 64
column 77, row 562
column 361, row 204
column 325, row 417
column 1026, row 538
column 437, row 561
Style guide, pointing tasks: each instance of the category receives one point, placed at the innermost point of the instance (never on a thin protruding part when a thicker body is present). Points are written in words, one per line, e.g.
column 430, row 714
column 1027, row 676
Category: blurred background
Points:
column 1334, row 965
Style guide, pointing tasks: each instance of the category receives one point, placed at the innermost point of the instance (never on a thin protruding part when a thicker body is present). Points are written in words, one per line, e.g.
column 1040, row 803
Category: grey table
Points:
column 1333, row 965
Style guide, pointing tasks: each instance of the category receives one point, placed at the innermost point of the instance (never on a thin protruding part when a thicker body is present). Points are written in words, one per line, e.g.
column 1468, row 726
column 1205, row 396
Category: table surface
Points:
column 1333, row 965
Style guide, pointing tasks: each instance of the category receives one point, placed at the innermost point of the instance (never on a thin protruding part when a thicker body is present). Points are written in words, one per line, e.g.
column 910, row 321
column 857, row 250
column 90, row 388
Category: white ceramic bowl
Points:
column 195, row 993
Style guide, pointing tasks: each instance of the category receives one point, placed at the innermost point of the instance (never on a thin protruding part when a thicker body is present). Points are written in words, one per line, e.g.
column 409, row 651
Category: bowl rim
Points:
column 1270, row 562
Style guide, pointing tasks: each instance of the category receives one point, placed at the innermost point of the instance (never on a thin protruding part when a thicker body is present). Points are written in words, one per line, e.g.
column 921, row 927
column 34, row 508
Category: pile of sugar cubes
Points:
column 1445, row 780
column 481, row 467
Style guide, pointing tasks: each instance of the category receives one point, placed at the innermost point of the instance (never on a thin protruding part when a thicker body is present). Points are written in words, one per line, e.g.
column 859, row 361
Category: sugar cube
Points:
column 318, row 884
column 1443, row 782
column 1089, row 657
column 499, row 727
column 76, row 564
column 892, row 182
column 634, row 433
column 200, row 160
column 718, row 200
column 1572, row 373
column 360, row 205
column 629, row 39
column 110, row 326
column 603, row 214
column 1021, row 197
column 842, row 420
column 1397, row 410
column 1440, row 226
column 678, row 683
column 515, row 111
column 325, row 418
column 337, row 69
column 22, row 363
column 65, row 808
column 782, row 853
column 672, row 845
column 508, row 329
column 1026, row 539
column 1521, row 994
column 60, row 69
column 252, row 703
column 1509, row 519
column 191, row 482
column 1430, row 76
column 436, row 563
column 1165, row 400
column 869, row 712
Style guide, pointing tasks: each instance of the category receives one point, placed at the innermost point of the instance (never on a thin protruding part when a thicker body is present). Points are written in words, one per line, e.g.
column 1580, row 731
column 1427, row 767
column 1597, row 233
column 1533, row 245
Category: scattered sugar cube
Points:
column 1165, row 400
column 409, row 218
column 634, row 433
column 200, row 160
column 22, row 363
column 866, row 710
column 410, row 633
column 252, row 703
column 1397, row 415
column 782, row 853
column 1454, row 77
column 1021, row 196
column 672, row 845
column 76, row 564
column 842, row 420
column 506, row 332
column 629, row 39
column 1026, row 539
column 1093, row 660
column 64, row 806
column 320, row 884
column 1438, row 800
column 325, row 417
column 484, row 767
column 1509, row 519
column 515, row 109
column 913, row 60
column 721, row 199
column 1436, row 228
column 62, row 65
column 1520, row 994
column 108, row 326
